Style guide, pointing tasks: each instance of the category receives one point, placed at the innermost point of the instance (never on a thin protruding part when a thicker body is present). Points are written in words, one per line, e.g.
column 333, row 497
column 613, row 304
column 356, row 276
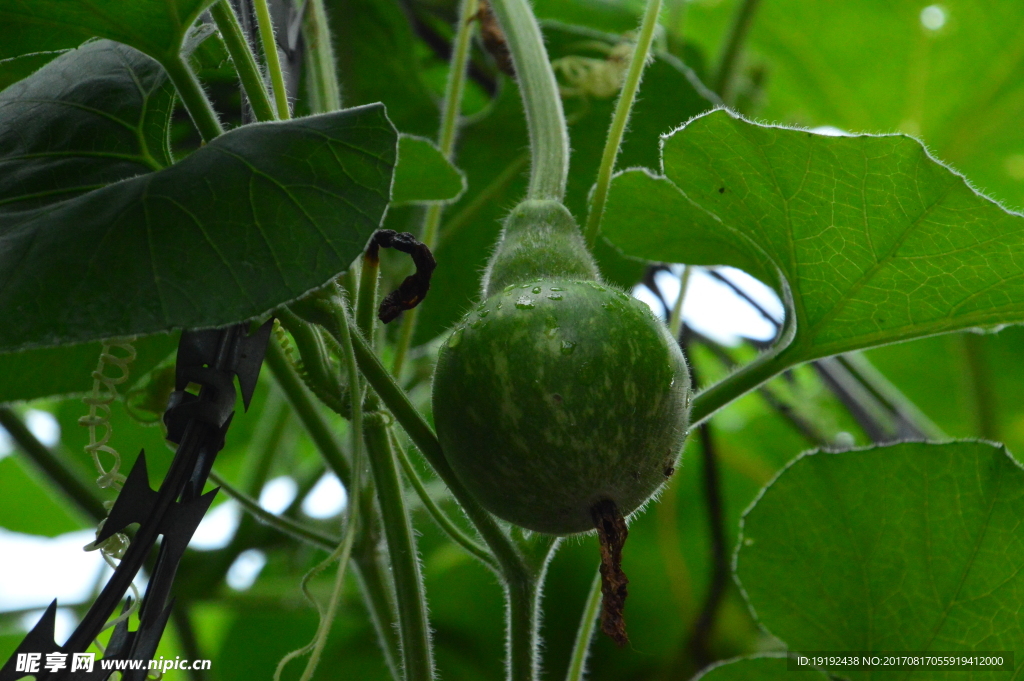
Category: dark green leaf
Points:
column 423, row 174
column 877, row 241
column 154, row 26
column 90, row 118
column 15, row 68
column 46, row 372
column 767, row 668
column 31, row 505
column 258, row 217
column 909, row 547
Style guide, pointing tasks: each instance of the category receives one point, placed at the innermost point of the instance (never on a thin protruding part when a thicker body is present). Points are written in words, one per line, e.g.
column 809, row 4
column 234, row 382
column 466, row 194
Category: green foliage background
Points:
column 860, row 66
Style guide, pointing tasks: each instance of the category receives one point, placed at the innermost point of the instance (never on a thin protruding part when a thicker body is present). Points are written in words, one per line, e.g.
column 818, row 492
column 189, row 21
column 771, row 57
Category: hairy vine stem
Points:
column 619, row 121
column 243, row 59
column 193, row 97
column 585, row 632
column 321, row 74
column 545, row 119
column 266, row 26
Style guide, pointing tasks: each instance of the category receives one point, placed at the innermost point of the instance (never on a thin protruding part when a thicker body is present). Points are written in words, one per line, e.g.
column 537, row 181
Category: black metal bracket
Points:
column 197, row 422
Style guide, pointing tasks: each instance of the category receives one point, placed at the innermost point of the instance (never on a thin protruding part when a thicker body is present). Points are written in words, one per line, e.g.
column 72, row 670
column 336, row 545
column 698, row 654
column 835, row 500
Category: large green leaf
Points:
column 154, row 26
column 875, row 240
column 258, row 217
column 89, row 118
column 912, row 547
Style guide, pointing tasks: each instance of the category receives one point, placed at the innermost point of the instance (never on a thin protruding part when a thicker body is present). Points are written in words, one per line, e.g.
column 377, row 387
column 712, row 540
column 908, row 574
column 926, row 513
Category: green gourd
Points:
column 558, row 392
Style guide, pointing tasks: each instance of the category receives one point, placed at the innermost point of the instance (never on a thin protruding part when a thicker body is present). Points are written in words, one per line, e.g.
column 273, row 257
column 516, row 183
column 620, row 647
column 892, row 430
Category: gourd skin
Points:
column 558, row 391
column 556, row 394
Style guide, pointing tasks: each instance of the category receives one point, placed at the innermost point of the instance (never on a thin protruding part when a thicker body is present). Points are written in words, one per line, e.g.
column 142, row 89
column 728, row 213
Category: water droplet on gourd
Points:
column 483, row 313
column 568, row 347
column 536, row 289
column 555, row 297
column 551, row 332
column 524, row 303
column 455, row 338
column 556, row 288
column 509, row 287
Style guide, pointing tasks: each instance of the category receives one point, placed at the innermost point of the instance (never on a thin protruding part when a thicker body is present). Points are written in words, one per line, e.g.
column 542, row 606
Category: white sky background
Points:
column 35, row 570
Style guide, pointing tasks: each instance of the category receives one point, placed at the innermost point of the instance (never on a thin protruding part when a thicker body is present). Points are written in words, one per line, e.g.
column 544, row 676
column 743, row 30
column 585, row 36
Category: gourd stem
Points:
column 379, row 596
column 545, row 119
column 417, row 655
column 278, row 522
column 367, row 297
column 243, row 59
column 193, row 97
column 736, row 385
column 522, row 629
column 321, row 73
column 619, row 120
column 352, row 523
column 522, row 595
column 675, row 320
column 273, row 58
column 580, row 649
column 439, row 516
column 513, row 565
column 317, row 428
column 313, row 352
column 728, row 65
column 450, row 109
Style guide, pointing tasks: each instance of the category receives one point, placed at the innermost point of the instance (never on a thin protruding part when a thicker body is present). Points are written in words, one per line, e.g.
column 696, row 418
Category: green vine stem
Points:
column 729, row 63
column 439, row 516
column 523, row 597
column 581, row 648
column 37, row 453
column 545, row 119
column 619, row 121
column 343, row 551
column 750, row 376
column 321, row 74
column 278, row 522
column 513, row 565
column 308, row 413
column 193, row 97
column 243, row 59
column 675, row 319
column 450, row 109
column 273, row 58
column 371, row 568
column 414, row 628
column 366, row 302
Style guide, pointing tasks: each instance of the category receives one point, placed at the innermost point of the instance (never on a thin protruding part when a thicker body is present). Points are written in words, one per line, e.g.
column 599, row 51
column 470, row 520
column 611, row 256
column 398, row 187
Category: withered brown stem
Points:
column 414, row 289
column 612, row 533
